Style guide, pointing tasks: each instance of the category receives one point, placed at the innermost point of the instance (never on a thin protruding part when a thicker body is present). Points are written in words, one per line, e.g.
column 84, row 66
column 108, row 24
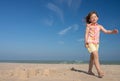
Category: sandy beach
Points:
column 55, row 72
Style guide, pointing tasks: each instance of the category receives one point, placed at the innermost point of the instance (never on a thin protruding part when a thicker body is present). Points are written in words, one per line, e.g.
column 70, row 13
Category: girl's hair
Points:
column 88, row 16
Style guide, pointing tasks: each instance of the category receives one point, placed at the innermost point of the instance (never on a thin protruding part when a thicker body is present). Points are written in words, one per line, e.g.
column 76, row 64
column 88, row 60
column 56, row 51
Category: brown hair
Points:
column 88, row 16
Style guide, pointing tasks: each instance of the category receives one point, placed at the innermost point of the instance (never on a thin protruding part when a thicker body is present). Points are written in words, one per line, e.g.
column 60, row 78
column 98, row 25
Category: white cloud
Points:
column 55, row 6
column 74, row 27
column 73, row 4
column 57, row 10
column 64, row 31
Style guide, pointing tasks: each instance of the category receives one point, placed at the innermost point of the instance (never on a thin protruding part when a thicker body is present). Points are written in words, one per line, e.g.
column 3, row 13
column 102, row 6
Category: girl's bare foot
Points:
column 100, row 74
column 90, row 73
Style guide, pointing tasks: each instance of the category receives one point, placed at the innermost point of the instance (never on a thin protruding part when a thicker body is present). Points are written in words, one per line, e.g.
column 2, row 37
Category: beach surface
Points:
column 55, row 72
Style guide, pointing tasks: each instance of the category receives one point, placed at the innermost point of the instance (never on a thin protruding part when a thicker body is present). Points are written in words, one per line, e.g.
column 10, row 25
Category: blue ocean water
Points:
column 42, row 61
column 56, row 62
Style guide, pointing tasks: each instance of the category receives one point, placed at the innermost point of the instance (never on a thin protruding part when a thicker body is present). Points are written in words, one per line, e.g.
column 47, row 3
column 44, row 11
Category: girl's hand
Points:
column 86, row 45
column 115, row 31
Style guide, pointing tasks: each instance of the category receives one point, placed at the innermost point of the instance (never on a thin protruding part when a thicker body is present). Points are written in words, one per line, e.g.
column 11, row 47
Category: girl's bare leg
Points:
column 91, row 63
column 97, row 64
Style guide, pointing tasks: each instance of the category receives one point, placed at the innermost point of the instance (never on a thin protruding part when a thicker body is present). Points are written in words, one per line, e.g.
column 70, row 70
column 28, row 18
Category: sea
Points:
column 58, row 62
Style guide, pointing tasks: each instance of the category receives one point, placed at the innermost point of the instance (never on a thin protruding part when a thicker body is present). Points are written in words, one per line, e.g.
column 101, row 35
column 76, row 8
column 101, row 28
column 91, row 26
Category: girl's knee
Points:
column 92, row 56
column 95, row 54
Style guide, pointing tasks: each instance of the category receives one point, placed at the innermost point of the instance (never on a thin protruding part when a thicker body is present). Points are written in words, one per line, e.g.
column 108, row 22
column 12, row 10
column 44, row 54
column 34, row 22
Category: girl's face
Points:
column 93, row 18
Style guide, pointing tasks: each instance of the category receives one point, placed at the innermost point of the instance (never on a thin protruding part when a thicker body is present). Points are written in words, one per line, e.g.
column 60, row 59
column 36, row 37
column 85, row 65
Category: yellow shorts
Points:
column 92, row 47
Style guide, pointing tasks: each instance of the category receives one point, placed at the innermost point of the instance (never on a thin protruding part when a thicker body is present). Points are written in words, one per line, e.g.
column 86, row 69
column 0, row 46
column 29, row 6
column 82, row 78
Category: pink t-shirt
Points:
column 93, row 33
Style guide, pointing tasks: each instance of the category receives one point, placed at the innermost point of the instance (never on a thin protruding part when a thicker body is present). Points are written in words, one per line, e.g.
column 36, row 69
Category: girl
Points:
column 92, row 41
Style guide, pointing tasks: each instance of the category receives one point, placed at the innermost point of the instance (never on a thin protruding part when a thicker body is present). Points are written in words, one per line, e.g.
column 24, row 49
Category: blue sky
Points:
column 54, row 29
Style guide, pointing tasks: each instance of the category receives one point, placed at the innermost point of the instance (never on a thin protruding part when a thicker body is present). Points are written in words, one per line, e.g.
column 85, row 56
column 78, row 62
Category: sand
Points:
column 55, row 72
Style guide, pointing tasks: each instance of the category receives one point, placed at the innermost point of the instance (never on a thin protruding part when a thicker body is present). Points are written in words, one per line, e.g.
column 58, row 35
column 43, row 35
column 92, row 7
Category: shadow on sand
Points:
column 76, row 70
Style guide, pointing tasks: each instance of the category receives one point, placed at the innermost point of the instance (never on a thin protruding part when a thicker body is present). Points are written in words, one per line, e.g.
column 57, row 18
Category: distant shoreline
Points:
column 57, row 62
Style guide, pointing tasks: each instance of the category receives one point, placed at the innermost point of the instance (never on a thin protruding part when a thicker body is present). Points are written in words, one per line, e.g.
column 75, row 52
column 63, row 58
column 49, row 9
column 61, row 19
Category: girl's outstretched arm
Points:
column 115, row 31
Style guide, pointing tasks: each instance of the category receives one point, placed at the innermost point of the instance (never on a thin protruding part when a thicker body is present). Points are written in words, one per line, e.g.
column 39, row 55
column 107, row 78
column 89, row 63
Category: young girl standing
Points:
column 92, row 41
